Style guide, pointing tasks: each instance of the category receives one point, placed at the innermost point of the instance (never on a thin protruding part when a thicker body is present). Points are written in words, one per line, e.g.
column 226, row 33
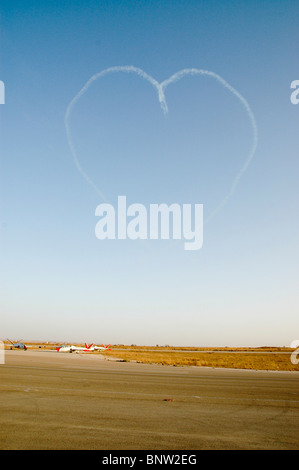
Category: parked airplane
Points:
column 103, row 347
column 72, row 348
column 18, row 345
column 87, row 348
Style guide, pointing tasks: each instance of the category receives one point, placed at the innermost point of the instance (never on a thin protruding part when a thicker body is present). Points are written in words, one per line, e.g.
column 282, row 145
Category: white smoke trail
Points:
column 83, row 90
column 160, row 88
column 177, row 76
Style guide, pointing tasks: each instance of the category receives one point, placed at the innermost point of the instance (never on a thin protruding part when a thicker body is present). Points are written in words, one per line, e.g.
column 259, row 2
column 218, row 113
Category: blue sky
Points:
column 58, row 281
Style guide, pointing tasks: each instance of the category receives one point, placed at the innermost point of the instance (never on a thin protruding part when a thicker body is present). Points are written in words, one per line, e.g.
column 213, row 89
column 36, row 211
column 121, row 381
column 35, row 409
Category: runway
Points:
column 76, row 401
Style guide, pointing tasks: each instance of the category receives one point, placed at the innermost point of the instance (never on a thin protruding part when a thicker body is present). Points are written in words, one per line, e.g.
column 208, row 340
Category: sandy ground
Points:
column 76, row 401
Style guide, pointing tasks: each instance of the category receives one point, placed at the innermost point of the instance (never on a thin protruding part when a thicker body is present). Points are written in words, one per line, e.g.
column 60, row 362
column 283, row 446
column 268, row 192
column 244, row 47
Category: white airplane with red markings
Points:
column 87, row 348
column 102, row 348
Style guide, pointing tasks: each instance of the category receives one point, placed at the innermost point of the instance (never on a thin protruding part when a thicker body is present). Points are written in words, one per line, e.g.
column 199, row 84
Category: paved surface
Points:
column 76, row 401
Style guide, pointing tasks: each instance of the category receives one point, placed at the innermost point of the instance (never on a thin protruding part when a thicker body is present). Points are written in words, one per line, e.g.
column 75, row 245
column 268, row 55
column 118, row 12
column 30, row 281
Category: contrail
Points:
column 160, row 88
column 177, row 76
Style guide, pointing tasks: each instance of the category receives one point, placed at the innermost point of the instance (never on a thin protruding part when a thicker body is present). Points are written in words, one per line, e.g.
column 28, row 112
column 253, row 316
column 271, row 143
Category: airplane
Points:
column 101, row 348
column 72, row 348
column 18, row 345
column 87, row 348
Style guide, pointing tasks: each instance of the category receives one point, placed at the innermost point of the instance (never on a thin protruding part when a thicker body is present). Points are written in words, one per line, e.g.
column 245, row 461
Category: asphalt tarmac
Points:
column 81, row 401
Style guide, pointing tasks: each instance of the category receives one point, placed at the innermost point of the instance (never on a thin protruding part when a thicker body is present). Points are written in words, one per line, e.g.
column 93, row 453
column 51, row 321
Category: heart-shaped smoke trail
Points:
column 161, row 88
